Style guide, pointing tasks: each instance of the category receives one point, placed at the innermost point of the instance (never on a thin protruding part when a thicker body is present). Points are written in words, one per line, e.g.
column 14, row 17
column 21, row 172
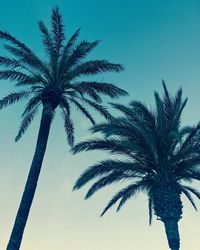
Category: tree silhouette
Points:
column 160, row 158
column 53, row 83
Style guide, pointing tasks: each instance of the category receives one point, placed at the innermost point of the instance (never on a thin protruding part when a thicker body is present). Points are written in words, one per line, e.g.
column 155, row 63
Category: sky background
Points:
column 153, row 40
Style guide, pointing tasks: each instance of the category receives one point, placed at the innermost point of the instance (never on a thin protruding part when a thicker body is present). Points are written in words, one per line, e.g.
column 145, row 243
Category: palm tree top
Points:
column 157, row 151
column 57, row 79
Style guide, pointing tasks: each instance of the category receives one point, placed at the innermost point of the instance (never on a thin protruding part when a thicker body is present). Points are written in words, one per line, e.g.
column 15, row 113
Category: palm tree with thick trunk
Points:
column 54, row 83
column 159, row 157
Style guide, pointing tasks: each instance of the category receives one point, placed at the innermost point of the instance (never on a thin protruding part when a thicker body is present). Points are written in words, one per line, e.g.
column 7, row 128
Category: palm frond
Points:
column 10, row 63
column 88, row 91
column 93, row 67
column 111, row 145
column 150, row 205
column 47, row 41
column 102, row 88
column 83, row 110
column 193, row 191
column 125, row 193
column 105, row 181
column 28, row 58
column 68, row 123
column 98, row 108
column 57, row 29
column 26, row 121
column 66, row 52
column 106, row 167
column 34, row 101
column 78, row 53
column 16, row 76
column 13, row 97
column 187, row 194
column 8, row 37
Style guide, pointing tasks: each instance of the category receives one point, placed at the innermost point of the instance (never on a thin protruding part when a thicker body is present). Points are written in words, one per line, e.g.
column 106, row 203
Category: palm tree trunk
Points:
column 31, row 184
column 171, row 229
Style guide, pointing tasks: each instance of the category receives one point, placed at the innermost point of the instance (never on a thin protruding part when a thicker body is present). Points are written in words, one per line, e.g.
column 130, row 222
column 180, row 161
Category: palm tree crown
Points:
column 160, row 158
column 55, row 80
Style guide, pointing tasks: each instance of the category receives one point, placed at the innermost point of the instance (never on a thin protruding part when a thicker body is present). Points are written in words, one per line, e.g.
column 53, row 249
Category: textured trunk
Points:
column 31, row 184
column 168, row 208
column 171, row 229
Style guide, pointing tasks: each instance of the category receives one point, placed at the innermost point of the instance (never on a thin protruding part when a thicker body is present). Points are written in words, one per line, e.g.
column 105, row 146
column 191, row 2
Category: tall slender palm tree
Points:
column 52, row 83
column 159, row 158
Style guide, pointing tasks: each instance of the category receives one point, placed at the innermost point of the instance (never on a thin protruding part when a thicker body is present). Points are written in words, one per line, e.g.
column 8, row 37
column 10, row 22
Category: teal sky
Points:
column 153, row 40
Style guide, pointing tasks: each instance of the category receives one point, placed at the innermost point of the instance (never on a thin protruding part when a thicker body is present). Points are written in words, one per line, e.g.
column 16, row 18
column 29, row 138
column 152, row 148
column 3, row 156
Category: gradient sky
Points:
column 153, row 40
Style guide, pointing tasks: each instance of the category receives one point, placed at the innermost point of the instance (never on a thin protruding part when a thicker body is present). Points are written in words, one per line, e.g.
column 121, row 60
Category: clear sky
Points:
column 153, row 40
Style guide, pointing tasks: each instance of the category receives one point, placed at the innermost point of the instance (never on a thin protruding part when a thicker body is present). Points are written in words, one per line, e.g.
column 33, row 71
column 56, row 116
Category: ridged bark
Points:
column 168, row 208
column 33, row 176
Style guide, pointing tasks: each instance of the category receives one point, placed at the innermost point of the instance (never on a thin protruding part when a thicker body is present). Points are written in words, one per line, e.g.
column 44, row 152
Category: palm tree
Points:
column 159, row 157
column 52, row 83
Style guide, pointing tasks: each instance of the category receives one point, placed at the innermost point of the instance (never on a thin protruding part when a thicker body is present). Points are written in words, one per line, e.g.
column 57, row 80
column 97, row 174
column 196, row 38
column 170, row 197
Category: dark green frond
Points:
column 15, row 76
column 86, row 90
column 106, row 167
column 10, row 63
column 66, row 52
column 102, row 88
column 6, row 36
column 150, row 205
column 111, row 145
column 78, row 53
column 34, row 101
column 187, row 194
column 47, row 41
column 98, row 108
column 126, row 110
column 193, row 191
column 105, row 181
column 125, row 194
column 26, row 121
column 83, row 110
column 57, row 29
column 68, row 124
column 94, row 67
column 28, row 60
column 13, row 97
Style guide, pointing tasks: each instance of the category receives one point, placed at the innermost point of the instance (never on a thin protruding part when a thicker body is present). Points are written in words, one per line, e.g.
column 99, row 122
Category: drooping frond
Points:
column 150, row 206
column 34, row 101
column 98, row 108
column 110, row 145
column 13, row 98
column 83, row 110
column 105, row 181
column 187, row 194
column 124, row 195
column 88, row 91
column 26, row 121
column 100, row 87
column 106, row 167
column 68, row 124
column 193, row 191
